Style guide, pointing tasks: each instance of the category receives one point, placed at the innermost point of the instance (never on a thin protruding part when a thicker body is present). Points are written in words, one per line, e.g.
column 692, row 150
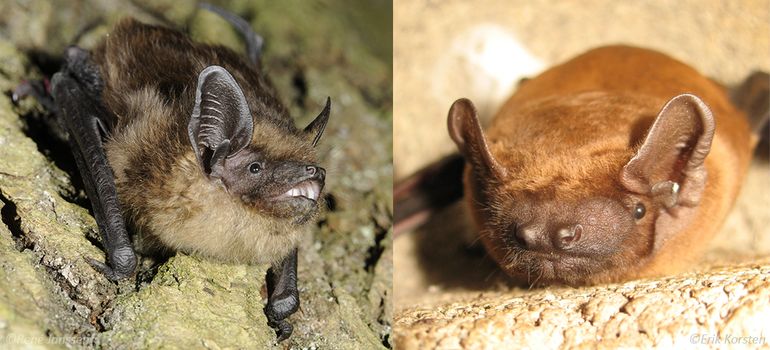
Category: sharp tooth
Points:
column 308, row 189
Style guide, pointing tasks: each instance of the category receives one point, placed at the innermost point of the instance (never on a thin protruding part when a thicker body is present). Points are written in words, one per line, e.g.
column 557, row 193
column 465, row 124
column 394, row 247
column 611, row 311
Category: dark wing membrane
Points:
column 85, row 117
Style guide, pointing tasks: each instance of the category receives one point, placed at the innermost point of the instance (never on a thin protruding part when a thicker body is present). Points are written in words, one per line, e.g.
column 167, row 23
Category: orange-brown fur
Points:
column 615, row 92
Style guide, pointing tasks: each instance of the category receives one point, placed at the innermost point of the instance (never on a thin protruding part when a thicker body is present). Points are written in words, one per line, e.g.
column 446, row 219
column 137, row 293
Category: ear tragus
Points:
column 317, row 126
column 670, row 163
column 216, row 158
column 221, row 123
column 465, row 130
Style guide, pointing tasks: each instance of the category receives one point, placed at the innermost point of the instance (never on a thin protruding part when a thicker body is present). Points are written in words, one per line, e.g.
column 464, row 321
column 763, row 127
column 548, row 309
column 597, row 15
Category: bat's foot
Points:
column 123, row 265
column 283, row 299
column 283, row 329
column 277, row 310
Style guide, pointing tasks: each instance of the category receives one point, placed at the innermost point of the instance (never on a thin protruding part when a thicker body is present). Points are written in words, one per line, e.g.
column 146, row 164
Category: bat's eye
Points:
column 254, row 168
column 639, row 211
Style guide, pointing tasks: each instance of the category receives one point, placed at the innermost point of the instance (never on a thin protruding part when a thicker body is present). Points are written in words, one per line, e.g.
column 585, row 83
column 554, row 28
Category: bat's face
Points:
column 543, row 237
column 269, row 167
column 585, row 211
column 277, row 186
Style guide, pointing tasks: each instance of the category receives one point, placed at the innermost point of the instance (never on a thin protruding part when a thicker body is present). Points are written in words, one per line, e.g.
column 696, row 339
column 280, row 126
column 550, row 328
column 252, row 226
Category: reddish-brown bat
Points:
column 620, row 163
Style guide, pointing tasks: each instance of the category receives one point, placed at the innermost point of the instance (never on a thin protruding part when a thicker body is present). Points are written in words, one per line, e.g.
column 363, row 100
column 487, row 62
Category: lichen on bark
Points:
column 50, row 297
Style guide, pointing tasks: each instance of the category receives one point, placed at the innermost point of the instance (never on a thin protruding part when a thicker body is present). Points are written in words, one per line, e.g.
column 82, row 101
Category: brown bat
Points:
column 620, row 163
column 189, row 146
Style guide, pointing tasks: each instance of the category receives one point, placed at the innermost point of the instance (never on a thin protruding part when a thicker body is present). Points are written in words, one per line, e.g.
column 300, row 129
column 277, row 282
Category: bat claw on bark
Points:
column 113, row 275
column 283, row 329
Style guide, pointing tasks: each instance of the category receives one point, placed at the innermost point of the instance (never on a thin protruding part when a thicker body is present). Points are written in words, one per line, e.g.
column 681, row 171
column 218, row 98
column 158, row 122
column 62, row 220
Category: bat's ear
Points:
column 316, row 128
column 221, row 123
column 465, row 129
column 669, row 166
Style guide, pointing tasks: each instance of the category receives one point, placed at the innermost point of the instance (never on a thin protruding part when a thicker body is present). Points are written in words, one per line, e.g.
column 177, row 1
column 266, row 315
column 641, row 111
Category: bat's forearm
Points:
column 80, row 114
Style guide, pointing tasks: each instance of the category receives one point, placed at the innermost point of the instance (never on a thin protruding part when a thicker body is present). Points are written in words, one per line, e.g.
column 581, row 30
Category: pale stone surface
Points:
column 435, row 63
column 700, row 309
column 440, row 56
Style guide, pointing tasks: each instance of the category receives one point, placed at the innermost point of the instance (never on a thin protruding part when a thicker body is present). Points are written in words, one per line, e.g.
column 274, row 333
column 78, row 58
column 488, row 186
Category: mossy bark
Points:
column 50, row 297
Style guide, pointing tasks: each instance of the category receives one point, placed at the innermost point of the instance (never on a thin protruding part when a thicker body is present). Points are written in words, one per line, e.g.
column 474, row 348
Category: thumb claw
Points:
column 107, row 271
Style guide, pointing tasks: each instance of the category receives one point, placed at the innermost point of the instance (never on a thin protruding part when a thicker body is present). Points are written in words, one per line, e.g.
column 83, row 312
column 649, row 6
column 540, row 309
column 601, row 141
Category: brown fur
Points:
column 567, row 134
column 150, row 76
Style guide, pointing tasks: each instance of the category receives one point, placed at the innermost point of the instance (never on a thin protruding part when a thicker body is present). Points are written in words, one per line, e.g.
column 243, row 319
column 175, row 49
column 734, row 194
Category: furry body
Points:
column 187, row 146
column 165, row 196
column 563, row 144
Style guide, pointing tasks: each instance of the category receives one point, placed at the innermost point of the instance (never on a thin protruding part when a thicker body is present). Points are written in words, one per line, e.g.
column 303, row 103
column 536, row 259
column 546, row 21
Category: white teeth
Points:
column 313, row 190
column 307, row 189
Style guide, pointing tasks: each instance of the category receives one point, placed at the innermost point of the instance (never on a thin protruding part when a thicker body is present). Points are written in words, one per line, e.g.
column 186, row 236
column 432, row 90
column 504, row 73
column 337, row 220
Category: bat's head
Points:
column 267, row 165
column 584, row 211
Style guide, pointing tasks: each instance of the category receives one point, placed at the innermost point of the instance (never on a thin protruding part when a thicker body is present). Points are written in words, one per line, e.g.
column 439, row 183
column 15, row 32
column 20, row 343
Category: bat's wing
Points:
column 427, row 191
column 253, row 40
column 753, row 97
column 76, row 90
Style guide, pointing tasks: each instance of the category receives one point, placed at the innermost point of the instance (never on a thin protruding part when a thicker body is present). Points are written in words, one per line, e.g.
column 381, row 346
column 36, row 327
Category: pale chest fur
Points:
column 193, row 215
column 201, row 218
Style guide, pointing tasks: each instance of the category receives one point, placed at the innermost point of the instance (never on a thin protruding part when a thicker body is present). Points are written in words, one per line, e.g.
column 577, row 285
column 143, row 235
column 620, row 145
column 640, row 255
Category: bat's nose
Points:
column 540, row 238
column 315, row 171
column 565, row 237
column 532, row 237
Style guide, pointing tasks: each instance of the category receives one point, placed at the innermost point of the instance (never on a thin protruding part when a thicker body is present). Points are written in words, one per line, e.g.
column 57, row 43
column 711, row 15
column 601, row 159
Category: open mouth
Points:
column 309, row 189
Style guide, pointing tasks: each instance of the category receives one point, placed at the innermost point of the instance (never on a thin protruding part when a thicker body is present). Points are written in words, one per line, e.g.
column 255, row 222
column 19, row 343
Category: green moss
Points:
column 193, row 303
column 331, row 48
column 20, row 318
